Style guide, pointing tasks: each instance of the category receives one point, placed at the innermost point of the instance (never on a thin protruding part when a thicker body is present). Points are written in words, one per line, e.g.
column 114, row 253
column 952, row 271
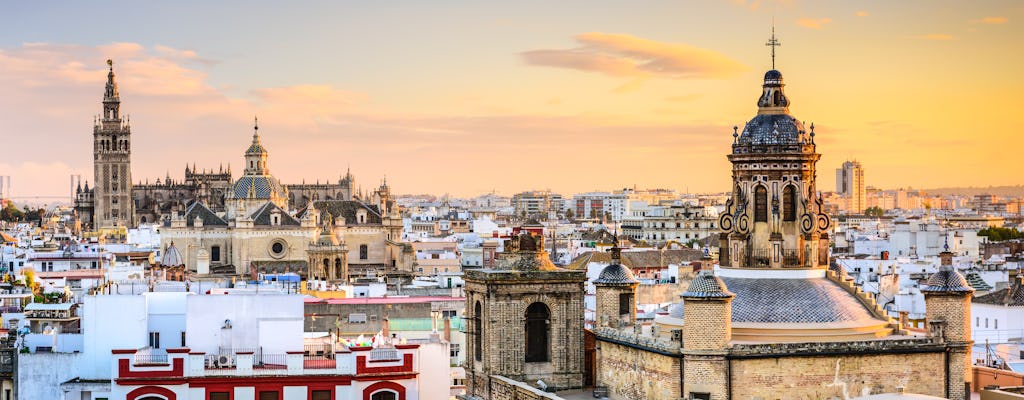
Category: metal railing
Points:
column 146, row 359
column 760, row 258
column 271, row 361
column 791, row 257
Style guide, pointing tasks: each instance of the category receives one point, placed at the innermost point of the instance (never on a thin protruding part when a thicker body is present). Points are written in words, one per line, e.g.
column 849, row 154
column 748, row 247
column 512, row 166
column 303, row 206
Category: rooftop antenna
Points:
column 773, row 42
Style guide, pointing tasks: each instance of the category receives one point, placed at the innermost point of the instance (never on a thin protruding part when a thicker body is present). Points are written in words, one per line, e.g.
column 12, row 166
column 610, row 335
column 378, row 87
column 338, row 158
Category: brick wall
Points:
column 815, row 377
column 632, row 373
column 707, row 324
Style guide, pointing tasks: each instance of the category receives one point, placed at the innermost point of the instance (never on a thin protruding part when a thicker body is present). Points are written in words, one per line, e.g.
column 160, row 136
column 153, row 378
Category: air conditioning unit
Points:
column 225, row 361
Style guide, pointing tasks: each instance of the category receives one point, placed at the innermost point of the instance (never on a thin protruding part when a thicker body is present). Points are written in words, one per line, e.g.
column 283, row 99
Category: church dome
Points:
column 707, row 285
column 172, row 257
column 616, row 274
column 947, row 280
column 773, row 75
column 772, row 129
column 256, row 187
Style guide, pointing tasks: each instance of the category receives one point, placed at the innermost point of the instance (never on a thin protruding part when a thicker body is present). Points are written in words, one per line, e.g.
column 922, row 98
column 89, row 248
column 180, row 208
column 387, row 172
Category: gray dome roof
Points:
column 772, row 75
column 616, row 274
column 255, row 187
column 813, row 300
column 947, row 280
column 772, row 129
column 707, row 285
column 172, row 257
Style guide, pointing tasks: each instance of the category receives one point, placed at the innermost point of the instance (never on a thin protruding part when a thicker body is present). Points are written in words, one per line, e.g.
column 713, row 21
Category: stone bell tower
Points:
column 775, row 217
column 947, row 297
column 112, row 194
column 525, row 320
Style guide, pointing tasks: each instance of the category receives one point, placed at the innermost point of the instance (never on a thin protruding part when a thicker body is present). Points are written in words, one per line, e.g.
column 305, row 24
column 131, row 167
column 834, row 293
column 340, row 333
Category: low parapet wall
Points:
column 503, row 388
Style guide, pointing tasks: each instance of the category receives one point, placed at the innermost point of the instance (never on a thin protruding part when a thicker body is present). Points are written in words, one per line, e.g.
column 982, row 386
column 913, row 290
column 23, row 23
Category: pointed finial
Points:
column 773, row 42
column 945, row 245
column 110, row 63
column 255, row 123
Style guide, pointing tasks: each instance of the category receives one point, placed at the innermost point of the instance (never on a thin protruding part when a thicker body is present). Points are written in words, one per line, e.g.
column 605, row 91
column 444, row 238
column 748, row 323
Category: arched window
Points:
column 384, row 395
column 789, row 203
column 760, row 204
column 363, row 252
column 337, row 268
column 478, row 331
column 537, row 316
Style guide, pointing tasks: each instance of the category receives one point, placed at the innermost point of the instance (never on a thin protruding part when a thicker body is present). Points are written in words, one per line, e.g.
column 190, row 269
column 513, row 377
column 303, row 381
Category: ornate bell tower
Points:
column 775, row 217
column 112, row 195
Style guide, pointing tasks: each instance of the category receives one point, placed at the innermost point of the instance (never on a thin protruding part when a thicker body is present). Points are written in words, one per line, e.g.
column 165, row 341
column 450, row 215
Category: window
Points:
column 996, row 322
column 986, row 323
column 700, row 396
column 320, row 395
column 789, row 204
column 182, row 338
column 478, row 335
column 760, row 204
column 382, row 395
column 537, row 315
column 453, row 350
column 154, row 340
column 447, row 313
column 626, row 303
column 215, row 253
column 363, row 252
column 267, row 395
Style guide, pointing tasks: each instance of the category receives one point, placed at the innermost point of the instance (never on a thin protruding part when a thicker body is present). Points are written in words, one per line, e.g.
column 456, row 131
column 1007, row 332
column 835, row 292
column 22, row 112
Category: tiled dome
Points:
column 947, row 280
column 707, row 285
column 616, row 274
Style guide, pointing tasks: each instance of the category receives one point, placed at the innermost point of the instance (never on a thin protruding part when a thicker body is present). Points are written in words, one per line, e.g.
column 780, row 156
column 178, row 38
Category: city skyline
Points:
column 460, row 103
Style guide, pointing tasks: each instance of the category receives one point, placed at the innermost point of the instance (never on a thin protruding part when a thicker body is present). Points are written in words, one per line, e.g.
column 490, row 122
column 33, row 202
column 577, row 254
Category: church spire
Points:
column 111, row 99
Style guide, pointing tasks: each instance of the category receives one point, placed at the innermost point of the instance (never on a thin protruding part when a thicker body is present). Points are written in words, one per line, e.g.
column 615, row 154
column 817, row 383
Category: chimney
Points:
column 447, row 329
column 387, row 329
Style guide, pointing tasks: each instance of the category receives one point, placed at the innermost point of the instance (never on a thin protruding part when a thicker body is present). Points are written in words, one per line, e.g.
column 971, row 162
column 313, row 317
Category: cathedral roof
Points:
column 256, row 187
column 209, row 218
column 346, row 209
column 639, row 259
column 809, row 301
column 262, row 216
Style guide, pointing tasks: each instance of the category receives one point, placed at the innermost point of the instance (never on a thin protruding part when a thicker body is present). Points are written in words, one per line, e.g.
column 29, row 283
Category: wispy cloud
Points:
column 935, row 36
column 623, row 55
column 813, row 23
column 991, row 20
column 861, row 13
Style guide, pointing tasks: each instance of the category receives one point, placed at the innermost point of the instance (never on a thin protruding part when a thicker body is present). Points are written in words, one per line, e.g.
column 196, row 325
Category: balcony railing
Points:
column 760, row 258
column 271, row 361
column 150, row 359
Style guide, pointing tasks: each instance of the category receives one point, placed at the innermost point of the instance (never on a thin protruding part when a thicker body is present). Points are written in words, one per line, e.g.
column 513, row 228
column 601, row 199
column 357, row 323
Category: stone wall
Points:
column 503, row 388
column 827, row 377
column 637, row 368
column 707, row 324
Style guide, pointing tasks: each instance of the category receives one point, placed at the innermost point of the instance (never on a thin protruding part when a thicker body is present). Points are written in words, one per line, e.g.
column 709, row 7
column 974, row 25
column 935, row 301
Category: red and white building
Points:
column 357, row 373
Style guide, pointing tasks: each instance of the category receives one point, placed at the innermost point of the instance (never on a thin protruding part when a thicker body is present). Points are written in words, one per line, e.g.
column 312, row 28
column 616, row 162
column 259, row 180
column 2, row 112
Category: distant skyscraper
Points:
column 850, row 184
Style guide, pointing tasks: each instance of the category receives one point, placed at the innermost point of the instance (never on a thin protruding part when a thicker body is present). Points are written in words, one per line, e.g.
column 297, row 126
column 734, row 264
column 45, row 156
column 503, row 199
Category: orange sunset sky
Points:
column 466, row 97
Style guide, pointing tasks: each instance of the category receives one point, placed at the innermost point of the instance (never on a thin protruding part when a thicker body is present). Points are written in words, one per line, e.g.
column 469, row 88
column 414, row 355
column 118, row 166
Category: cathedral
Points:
column 252, row 224
column 772, row 320
column 114, row 200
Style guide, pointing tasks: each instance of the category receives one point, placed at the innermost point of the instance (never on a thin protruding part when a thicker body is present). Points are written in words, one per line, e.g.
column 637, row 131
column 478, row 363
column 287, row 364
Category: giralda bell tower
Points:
column 112, row 195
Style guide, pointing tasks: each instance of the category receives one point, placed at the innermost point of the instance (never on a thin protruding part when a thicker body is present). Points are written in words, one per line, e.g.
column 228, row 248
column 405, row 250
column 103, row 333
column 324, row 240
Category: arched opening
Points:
column 789, row 203
column 478, row 334
column 537, row 321
column 760, row 204
column 384, row 395
column 337, row 269
column 364, row 252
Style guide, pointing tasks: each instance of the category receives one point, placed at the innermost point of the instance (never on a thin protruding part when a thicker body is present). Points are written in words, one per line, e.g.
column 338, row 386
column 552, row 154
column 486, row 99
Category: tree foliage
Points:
column 874, row 211
column 999, row 234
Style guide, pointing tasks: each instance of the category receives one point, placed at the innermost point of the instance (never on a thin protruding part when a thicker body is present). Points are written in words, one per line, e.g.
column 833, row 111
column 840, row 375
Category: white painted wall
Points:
column 110, row 322
column 249, row 314
column 996, row 323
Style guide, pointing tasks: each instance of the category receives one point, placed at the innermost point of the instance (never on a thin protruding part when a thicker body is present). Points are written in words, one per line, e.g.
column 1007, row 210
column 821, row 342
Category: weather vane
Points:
column 773, row 43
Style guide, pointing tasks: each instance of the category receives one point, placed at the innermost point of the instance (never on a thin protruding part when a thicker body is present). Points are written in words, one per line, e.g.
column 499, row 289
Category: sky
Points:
column 470, row 97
